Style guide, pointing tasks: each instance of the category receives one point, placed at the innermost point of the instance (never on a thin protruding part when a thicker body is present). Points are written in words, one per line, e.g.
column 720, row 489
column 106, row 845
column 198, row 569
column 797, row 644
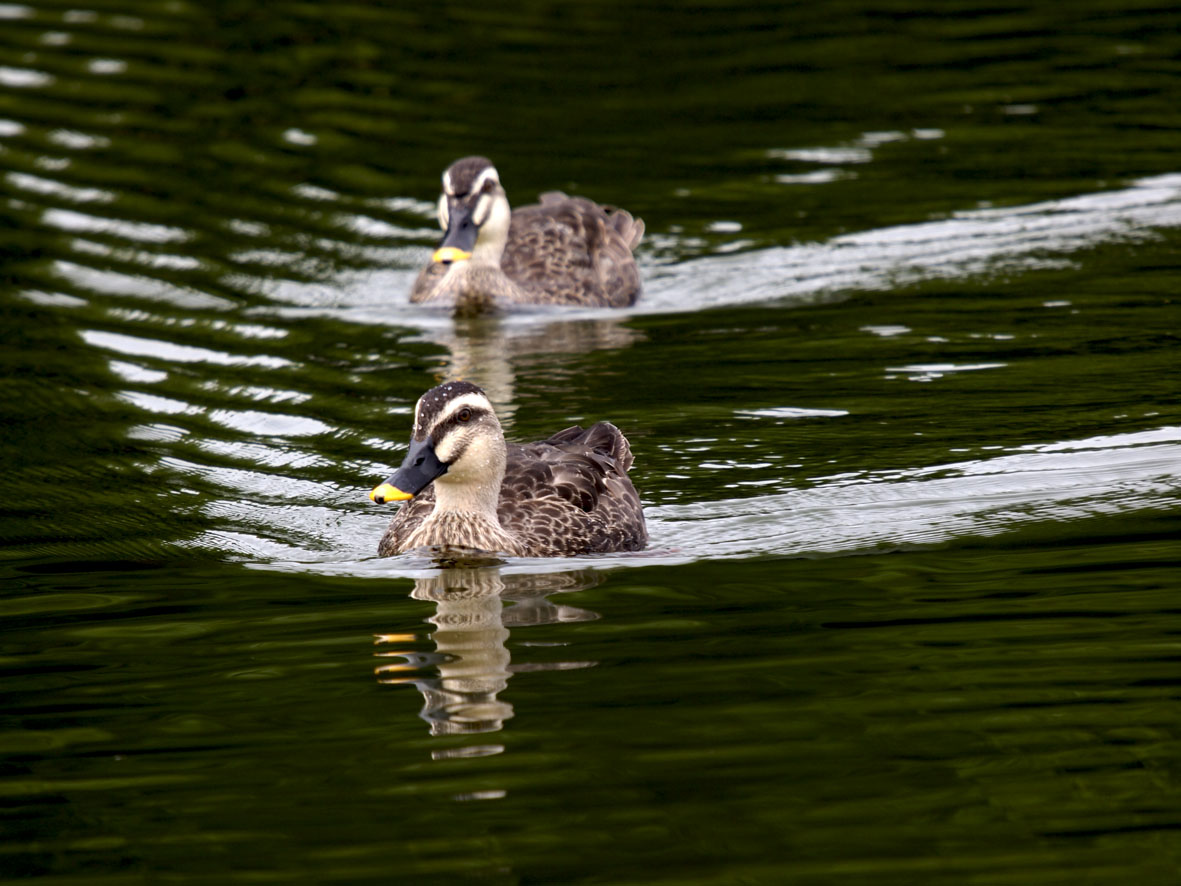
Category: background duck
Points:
column 464, row 486
column 560, row 251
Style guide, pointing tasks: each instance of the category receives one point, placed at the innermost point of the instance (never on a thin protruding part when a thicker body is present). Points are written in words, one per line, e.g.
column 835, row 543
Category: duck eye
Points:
column 465, row 414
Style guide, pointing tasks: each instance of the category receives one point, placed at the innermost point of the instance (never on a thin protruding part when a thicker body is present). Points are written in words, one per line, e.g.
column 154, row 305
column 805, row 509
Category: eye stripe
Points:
column 452, row 421
column 435, row 411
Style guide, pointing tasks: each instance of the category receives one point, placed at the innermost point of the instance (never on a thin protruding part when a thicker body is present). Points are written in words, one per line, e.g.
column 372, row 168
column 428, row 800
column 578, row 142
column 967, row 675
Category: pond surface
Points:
column 903, row 390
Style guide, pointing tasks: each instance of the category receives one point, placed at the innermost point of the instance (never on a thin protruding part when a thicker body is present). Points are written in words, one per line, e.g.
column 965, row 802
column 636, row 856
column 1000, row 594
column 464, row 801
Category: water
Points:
column 902, row 390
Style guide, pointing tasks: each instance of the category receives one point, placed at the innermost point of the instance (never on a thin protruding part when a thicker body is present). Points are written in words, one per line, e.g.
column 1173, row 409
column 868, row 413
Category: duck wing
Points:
column 571, row 494
column 570, row 250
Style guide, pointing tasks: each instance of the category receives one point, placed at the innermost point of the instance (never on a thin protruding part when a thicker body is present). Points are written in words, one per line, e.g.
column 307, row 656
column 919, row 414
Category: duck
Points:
column 559, row 251
column 462, row 486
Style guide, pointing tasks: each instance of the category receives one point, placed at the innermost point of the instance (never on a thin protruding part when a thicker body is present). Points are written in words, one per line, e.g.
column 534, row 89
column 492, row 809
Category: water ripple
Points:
column 972, row 243
column 134, row 346
column 1058, row 482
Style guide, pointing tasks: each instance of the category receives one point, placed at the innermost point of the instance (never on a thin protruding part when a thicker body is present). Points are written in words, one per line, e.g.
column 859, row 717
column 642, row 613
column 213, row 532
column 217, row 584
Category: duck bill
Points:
column 388, row 492
column 460, row 238
column 418, row 470
column 447, row 255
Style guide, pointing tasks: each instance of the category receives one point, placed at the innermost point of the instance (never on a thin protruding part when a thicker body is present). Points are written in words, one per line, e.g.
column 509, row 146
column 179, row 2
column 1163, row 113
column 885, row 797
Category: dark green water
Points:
column 903, row 389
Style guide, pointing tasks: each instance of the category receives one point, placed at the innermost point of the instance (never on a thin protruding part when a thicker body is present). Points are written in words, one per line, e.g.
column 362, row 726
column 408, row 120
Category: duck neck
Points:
column 465, row 511
column 472, row 486
column 470, row 499
column 489, row 251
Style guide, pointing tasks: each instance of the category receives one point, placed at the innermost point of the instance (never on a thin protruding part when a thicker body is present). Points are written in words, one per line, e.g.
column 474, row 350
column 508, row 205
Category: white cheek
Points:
column 468, row 456
column 447, row 448
column 483, row 207
column 444, row 216
column 496, row 224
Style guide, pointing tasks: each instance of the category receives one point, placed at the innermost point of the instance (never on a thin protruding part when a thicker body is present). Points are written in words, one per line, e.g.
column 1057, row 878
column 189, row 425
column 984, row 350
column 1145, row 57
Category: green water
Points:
column 903, row 392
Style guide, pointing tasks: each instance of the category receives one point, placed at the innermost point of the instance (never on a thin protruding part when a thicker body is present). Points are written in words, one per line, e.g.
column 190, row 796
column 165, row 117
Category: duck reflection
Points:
column 471, row 656
column 490, row 351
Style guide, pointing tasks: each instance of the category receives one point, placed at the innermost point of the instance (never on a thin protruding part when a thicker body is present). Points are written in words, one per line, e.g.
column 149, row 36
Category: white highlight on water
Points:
column 858, row 513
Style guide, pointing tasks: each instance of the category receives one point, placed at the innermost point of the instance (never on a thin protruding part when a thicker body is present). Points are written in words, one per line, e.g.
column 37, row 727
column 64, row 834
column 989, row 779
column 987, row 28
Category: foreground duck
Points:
column 464, row 486
column 561, row 251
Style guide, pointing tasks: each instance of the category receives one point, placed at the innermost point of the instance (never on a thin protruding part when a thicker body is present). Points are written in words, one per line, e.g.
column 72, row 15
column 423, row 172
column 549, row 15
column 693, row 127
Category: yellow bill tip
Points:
column 386, row 492
column 448, row 254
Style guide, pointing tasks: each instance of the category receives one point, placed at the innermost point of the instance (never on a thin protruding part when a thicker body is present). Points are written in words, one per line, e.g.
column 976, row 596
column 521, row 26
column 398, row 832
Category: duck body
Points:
column 465, row 487
column 560, row 251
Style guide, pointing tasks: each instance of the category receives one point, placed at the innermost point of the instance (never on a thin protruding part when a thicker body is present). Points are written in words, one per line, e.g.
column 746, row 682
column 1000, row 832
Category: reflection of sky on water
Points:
column 971, row 243
column 851, row 513
column 294, row 523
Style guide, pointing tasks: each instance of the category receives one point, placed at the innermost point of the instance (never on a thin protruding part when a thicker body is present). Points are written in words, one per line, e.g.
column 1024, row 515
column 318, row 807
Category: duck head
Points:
column 474, row 213
column 457, row 440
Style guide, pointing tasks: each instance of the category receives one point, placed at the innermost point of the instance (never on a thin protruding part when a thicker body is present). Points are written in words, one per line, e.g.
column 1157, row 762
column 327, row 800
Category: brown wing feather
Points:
column 580, row 497
column 570, row 250
column 601, row 437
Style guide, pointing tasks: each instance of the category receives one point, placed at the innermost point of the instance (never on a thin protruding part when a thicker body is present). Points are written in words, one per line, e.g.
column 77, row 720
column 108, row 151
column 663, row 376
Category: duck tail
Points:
column 630, row 229
column 602, row 438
